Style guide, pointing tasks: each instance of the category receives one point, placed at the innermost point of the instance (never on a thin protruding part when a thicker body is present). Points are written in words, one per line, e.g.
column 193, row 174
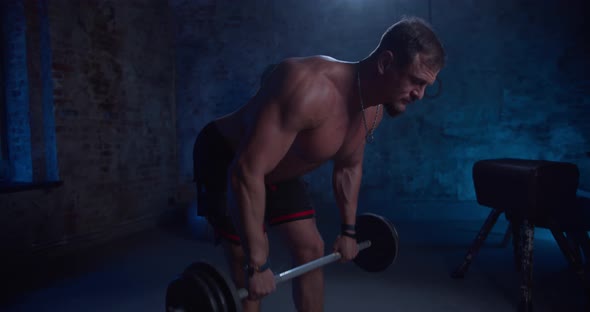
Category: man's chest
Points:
column 332, row 141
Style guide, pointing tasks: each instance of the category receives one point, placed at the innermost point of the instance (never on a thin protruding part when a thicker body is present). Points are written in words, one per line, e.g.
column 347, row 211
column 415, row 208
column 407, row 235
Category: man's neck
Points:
column 367, row 71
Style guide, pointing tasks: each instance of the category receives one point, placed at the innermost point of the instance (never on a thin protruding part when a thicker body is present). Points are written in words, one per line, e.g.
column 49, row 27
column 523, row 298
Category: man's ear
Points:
column 385, row 61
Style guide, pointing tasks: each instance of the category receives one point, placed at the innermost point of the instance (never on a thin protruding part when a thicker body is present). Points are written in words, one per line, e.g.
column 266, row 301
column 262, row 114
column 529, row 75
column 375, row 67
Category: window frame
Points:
column 3, row 122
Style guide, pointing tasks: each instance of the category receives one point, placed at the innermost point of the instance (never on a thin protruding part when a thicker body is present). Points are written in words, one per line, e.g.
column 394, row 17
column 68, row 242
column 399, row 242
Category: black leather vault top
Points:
column 536, row 189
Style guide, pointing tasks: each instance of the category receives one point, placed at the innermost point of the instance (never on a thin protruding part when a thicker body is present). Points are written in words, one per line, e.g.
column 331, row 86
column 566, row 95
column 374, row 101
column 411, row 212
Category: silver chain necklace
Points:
column 369, row 137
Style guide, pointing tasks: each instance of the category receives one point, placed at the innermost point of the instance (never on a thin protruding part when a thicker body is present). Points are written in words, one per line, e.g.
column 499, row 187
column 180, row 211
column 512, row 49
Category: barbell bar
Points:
column 304, row 268
column 202, row 287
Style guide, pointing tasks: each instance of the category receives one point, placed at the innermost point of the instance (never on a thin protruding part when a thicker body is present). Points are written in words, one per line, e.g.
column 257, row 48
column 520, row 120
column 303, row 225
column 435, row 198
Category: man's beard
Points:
column 393, row 110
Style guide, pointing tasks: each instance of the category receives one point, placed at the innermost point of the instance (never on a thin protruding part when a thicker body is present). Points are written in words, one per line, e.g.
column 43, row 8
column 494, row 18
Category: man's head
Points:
column 408, row 58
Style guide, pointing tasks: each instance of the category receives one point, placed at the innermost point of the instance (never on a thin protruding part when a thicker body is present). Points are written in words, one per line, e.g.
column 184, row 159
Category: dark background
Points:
column 108, row 97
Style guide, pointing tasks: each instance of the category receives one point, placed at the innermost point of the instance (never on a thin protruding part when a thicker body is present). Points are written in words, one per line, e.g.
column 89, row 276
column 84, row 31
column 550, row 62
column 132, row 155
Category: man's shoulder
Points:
column 302, row 60
column 306, row 88
column 303, row 73
column 314, row 65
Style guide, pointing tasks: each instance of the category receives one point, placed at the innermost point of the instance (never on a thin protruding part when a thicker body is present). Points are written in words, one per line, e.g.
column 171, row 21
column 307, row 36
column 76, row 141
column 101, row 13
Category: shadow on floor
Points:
column 132, row 274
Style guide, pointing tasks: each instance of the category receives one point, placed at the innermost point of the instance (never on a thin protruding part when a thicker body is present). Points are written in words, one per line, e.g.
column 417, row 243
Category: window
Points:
column 3, row 139
column 16, row 146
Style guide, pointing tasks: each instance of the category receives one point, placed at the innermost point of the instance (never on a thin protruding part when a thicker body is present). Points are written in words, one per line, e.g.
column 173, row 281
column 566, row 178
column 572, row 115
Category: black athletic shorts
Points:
column 285, row 201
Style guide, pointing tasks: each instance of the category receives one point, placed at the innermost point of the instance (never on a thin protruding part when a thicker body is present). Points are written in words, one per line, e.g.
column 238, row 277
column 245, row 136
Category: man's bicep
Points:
column 352, row 160
column 347, row 173
column 286, row 107
column 267, row 140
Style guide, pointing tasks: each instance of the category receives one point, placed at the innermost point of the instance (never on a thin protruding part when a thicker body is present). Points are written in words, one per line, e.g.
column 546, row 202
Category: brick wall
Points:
column 515, row 84
column 111, row 64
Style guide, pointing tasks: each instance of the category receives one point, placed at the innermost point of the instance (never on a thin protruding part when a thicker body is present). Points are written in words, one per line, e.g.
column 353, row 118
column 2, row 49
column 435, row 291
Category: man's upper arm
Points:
column 353, row 160
column 284, row 111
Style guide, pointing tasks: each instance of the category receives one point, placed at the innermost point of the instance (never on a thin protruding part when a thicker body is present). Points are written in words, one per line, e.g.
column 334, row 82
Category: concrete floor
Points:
column 132, row 274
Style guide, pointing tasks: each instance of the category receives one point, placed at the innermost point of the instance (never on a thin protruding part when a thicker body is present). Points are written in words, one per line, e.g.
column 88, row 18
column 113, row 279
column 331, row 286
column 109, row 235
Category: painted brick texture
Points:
column 132, row 85
column 112, row 69
column 515, row 83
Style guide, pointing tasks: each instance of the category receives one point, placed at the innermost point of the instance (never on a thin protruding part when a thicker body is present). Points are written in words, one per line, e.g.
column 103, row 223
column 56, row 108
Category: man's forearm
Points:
column 249, row 195
column 346, row 183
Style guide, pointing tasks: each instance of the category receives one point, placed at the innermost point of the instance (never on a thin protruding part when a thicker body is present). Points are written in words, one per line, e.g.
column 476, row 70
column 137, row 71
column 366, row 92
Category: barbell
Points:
column 203, row 287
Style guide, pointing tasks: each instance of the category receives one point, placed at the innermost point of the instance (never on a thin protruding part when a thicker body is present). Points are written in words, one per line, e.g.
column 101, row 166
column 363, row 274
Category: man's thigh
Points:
column 287, row 202
column 300, row 235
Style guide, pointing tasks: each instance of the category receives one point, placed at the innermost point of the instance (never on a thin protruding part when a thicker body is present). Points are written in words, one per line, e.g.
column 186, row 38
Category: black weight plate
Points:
column 189, row 294
column 384, row 242
column 175, row 294
column 214, row 288
column 218, row 285
column 228, row 288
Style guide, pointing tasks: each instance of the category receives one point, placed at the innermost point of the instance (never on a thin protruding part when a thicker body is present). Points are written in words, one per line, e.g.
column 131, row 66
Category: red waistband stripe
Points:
column 292, row 216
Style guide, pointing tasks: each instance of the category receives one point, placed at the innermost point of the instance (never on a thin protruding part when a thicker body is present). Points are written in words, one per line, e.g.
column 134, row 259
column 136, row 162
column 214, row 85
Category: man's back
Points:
column 315, row 97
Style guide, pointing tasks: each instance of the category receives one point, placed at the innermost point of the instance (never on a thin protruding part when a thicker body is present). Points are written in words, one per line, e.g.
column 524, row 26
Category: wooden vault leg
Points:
column 527, row 231
column 476, row 245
